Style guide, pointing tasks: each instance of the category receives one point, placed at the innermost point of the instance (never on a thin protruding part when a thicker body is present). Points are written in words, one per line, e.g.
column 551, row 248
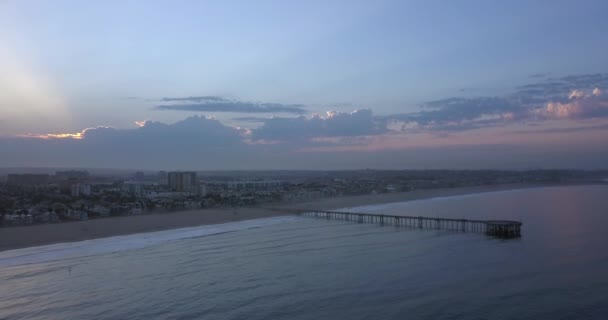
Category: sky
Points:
column 216, row 85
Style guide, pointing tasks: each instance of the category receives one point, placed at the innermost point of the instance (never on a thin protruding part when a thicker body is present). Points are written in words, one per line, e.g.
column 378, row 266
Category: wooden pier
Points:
column 495, row 228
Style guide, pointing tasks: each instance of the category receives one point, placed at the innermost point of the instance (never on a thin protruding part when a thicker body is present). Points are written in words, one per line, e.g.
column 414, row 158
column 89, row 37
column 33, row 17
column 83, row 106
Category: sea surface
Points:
column 307, row 268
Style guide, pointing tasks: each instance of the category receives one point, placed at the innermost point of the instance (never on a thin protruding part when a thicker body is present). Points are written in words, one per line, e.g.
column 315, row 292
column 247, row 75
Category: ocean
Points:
column 306, row 268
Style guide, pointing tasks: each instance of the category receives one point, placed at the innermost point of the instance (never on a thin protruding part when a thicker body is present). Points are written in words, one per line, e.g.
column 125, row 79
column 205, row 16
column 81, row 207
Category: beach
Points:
column 37, row 235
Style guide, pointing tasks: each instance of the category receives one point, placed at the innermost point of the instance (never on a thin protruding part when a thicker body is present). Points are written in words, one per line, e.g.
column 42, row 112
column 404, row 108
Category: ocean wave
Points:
column 71, row 250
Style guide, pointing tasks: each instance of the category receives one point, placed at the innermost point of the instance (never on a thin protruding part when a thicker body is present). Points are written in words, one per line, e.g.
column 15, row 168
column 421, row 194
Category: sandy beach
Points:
column 36, row 235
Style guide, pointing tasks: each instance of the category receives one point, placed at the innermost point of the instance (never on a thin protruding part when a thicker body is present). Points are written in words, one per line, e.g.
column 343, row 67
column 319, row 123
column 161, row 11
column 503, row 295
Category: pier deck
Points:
column 494, row 228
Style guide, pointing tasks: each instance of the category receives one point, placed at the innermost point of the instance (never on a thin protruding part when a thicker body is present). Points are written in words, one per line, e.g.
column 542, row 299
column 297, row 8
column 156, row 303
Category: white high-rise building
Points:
column 80, row 190
column 133, row 188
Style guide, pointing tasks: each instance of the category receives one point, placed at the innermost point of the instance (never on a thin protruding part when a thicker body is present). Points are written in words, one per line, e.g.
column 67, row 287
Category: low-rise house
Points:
column 100, row 211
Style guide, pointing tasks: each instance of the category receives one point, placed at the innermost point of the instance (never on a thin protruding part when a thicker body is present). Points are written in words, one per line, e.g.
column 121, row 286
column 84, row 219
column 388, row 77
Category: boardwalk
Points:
column 495, row 228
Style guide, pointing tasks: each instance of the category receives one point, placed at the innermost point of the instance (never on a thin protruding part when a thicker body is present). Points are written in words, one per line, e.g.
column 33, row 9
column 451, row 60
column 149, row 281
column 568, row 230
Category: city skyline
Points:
column 286, row 85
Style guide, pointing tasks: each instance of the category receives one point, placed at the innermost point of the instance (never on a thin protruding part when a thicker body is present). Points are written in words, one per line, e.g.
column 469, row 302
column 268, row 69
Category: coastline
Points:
column 45, row 234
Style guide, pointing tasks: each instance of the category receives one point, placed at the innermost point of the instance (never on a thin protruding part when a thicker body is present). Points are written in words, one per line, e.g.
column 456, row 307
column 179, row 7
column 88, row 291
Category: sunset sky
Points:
column 304, row 84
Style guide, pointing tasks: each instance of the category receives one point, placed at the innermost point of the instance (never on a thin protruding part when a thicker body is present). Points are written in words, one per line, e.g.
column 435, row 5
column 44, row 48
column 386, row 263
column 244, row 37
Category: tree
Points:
column 6, row 204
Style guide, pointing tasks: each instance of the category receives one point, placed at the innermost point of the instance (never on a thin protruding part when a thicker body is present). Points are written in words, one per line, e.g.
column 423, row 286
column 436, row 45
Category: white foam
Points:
column 85, row 248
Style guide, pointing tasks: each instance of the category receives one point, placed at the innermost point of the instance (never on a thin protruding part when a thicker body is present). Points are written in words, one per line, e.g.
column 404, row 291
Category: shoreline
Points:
column 44, row 234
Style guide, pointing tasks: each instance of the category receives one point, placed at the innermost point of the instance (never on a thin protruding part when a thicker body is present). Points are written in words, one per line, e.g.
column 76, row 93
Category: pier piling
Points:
column 495, row 228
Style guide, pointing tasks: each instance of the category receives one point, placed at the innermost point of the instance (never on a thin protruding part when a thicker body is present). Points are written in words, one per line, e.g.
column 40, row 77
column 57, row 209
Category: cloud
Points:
column 560, row 88
column 576, row 94
column 585, row 80
column 195, row 99
column 597, row 92
column 76, row 135
column 250, row 119
column 582, row 105
column 335, row 141
column 282, row 142
column 333, row 124
column 565, row 130
column 195, row 140
column 570, row 97
column 219, row 104
column 140, row 123
column 540, row 75
column 458, row 114
column 458, row 109
column 196, row 131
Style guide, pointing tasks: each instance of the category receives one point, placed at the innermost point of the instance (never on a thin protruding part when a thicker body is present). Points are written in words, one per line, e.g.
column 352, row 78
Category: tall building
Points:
column 139, row 176
column 163, row 178
column 182, row 181
column 133, row 188
column 67, row 179
column 78, row 190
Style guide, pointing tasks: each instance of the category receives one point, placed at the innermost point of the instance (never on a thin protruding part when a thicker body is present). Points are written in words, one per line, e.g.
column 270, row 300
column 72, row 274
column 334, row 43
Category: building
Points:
column 66, row 180
column 139, row 176
column 247, row 184
column 132, row 188
column 72, row 175
column 202, row 190
column 183, row 181
column 27, row 180
column 162, row 178
column 79, row 190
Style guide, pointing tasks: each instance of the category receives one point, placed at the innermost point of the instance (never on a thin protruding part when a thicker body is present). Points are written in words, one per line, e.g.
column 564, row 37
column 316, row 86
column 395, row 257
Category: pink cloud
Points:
column 580, row 105
column 76, row 135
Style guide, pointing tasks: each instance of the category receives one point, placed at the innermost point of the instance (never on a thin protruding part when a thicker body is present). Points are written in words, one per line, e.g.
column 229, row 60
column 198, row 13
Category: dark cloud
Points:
column 203, row 143
column 559, row 89
column 569, row 97
column 199, row 132
column 334, row 124
column 193, row 142
column 459, row 114
column 219, row 104
column 196, row 142
column 586, row 80
column 195, row 99
column 457, row 109
column 250, row 119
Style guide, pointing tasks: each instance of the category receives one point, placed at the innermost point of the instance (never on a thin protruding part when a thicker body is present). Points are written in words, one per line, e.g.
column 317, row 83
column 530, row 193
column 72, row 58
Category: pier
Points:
column 495, row 228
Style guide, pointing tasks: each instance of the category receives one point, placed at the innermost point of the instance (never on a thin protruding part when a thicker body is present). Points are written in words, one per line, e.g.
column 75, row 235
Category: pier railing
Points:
column 495, row 228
